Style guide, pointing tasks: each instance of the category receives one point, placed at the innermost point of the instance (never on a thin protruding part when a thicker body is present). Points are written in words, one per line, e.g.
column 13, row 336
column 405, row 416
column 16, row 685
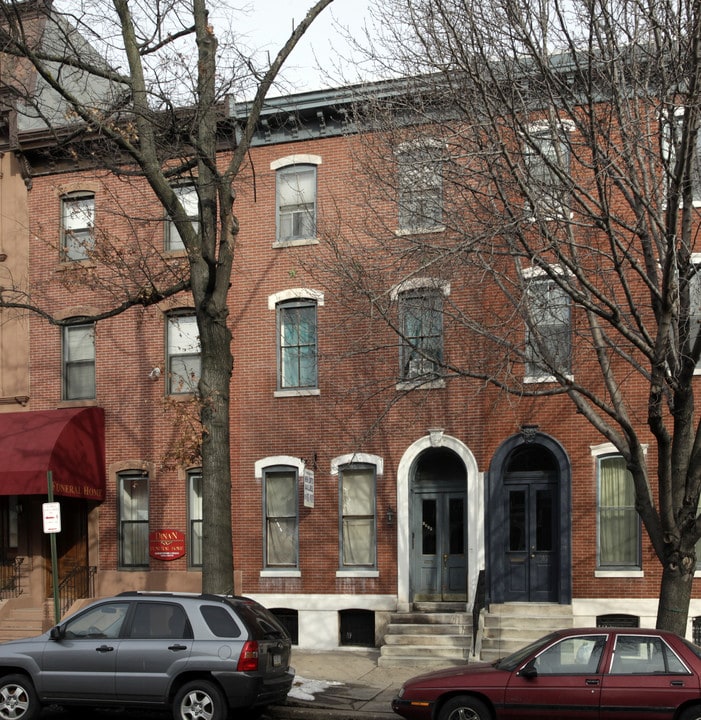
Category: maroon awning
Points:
column 70, row 443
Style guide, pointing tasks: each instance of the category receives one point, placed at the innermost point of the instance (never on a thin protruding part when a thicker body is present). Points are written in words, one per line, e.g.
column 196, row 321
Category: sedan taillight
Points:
column 248, row 661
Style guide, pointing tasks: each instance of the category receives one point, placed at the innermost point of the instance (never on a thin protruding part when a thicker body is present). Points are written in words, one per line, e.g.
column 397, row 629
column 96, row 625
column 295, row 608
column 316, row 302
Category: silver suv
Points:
column 200, row 655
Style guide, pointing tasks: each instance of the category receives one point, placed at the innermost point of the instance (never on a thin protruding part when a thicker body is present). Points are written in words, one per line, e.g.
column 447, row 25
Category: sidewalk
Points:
column 341, row 685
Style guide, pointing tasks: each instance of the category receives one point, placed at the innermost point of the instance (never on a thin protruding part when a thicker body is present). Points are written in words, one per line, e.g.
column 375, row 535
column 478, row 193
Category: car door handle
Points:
column 104, row 648
column 591, row 681
column 677, row 683
column 177, row 647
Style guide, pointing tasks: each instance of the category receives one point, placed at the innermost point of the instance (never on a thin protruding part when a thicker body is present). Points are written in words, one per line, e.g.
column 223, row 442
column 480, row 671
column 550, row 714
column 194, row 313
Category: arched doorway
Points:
column 529, row 522
column 439, row 527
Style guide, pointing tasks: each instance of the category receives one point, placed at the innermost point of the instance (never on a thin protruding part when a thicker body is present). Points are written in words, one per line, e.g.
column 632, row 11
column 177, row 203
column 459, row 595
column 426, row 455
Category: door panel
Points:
column 531, row 556
column 438, row 541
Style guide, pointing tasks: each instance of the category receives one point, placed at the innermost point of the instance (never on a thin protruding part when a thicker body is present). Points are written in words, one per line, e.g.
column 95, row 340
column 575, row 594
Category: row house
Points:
column 364, row 481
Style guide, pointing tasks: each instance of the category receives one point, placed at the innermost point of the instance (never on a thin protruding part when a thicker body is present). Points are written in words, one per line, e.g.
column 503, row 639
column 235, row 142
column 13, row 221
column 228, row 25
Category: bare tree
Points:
column 557, row 142
column 144, row 89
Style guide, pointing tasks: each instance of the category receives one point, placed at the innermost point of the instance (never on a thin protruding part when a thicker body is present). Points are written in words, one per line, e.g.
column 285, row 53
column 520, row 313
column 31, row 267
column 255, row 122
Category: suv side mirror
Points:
column 56, row 633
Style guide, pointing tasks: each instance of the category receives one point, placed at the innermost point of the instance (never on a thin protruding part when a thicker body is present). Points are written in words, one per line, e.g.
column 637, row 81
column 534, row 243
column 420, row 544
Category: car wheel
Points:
column 464, row 707
column 18, row 700
column 691, row 713
column 199, row 700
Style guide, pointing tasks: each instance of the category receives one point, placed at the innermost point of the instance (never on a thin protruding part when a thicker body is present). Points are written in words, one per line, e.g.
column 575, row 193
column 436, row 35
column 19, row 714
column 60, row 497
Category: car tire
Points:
column 199, row 700
column 691, row 713
column 464, row 707
column 18, row 699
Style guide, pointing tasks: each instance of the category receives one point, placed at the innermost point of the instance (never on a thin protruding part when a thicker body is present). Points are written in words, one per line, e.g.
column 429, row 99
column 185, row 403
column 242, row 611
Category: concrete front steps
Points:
column 431, row 635
column 20, row 622
column 508, row 627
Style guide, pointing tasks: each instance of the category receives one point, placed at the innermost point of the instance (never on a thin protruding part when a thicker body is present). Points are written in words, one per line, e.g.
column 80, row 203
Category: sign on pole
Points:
column 52, row 517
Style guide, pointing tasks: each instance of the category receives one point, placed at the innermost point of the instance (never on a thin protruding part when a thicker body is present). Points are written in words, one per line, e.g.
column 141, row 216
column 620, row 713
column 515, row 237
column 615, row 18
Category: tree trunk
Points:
column 675, row 595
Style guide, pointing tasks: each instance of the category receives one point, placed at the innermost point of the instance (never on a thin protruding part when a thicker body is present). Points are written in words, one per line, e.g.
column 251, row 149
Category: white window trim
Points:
column 357, row 458
column 266, row 462
column 301, row 159
column 421, row 283
column 295, row 294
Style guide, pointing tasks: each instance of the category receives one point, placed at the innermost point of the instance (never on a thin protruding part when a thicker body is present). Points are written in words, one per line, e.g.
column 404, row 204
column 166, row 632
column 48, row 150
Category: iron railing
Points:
column 79, row 583
column 11, row 578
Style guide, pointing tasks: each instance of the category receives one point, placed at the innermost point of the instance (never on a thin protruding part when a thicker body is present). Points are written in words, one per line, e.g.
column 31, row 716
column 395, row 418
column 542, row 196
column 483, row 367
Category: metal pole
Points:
column 54, row 554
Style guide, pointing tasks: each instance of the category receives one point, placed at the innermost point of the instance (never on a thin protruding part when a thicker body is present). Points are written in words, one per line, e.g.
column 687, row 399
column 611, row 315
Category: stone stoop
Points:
column 431, row 635
column 20, row 622
column 509, row 627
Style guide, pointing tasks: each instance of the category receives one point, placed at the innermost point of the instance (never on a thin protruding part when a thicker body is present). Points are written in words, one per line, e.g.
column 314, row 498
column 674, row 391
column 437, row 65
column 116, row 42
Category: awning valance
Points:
column 70, row 443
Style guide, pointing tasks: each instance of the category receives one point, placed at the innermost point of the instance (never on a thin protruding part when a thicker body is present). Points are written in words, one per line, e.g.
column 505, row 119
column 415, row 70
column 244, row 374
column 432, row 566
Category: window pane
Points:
column 296, row 202
column 428, row 527
column 619, row 526
column 195, row 515
column 422, row 329
column 134, row 513
column 358, row 516
column 187, row 194
column 78, row 220
column 420, row 189
column 548, row 159
column 79, row 362
column 298, row 351
column 184, row 361
column 549, row 336
column 281, row 518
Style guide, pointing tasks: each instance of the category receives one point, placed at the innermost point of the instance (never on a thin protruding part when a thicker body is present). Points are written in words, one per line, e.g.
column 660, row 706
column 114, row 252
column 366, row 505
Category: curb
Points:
column 312, row 712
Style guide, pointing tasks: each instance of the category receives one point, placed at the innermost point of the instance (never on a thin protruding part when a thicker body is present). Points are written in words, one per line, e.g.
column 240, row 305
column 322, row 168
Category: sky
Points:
column 267, row 24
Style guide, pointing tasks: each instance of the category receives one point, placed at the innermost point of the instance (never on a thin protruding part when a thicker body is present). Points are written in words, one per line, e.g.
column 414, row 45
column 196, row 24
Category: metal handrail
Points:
column 11, row 578
column 79, row 583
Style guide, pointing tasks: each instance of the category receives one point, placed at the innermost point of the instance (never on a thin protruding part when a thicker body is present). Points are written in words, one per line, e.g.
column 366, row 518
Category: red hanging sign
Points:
column 166, row 544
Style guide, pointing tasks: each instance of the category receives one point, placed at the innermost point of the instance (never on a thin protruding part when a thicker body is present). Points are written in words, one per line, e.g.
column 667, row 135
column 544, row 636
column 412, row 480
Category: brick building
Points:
column 355, row 493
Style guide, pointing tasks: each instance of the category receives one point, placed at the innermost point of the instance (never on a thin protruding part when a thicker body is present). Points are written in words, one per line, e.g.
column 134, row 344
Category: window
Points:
column 645, row 655
column 548, row 341
column 695, row 302
column 101, row 622
column 296, row 202
column 133, row 519
column 578, row 655
column 420, row 187
column 183, row 347
column 77, row 226
column 619, row 525
column 297, row 350
column 358, row 516
column 280, row 498
column 673, row 135
column 187, row 194
column 152, row 621
column 547, row 156
column 79, row 362
column 194, row 512
column 421, row 323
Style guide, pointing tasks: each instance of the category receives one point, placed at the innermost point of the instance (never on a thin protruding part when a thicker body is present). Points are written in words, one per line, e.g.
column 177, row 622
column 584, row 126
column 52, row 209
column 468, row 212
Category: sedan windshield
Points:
column 511, row 662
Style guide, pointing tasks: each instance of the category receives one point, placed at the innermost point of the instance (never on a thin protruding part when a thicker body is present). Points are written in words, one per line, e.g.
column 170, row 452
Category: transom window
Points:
column 77, row 226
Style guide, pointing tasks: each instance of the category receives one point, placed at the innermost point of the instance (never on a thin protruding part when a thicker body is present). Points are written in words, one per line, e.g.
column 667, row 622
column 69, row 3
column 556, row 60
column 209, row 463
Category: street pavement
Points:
column 342, row 685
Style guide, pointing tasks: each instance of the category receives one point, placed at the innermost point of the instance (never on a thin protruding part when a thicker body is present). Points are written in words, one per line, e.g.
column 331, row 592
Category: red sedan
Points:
column 593, row 673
